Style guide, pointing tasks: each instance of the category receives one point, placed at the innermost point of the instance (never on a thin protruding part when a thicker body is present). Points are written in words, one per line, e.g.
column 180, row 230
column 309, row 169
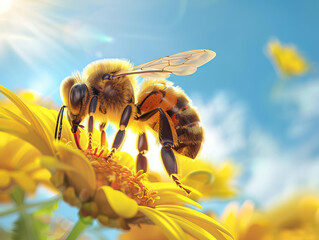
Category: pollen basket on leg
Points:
column 110, row 173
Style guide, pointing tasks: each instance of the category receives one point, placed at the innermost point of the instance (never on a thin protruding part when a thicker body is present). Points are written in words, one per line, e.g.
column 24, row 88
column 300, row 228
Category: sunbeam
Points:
column 37, row 30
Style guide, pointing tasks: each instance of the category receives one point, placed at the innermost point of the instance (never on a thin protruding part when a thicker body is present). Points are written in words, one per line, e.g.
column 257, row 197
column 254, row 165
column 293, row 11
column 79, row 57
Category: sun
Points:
column 5, row 5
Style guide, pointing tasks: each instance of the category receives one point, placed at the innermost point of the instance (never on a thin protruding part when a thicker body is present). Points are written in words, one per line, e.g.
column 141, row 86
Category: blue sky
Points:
column 267, row 125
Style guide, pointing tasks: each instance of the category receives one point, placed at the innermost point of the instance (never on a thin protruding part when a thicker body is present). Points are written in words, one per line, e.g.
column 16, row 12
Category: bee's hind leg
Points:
column 142, row 146
column 167, row 142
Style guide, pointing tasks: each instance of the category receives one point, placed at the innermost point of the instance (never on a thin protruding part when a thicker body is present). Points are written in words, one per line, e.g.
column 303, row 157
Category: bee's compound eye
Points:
column 77, row 95
column 107, row 76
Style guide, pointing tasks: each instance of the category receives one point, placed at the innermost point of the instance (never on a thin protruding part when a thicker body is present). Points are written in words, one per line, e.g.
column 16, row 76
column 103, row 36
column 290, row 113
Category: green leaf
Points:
column 41, row 227
column 17, row 195
column 30, row 226
column 25, row 228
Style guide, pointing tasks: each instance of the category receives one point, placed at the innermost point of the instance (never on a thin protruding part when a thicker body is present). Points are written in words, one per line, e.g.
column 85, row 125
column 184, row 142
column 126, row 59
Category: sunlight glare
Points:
column 5, row 5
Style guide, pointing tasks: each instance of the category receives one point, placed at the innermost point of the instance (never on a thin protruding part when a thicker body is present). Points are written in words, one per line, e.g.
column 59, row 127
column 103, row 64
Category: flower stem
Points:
column 78, row 228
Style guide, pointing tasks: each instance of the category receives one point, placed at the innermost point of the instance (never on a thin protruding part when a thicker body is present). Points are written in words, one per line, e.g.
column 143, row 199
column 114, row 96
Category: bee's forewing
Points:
column 183, row 63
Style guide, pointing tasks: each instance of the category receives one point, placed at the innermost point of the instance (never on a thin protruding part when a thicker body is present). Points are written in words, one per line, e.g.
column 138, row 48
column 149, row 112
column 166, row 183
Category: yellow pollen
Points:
column 110, row 173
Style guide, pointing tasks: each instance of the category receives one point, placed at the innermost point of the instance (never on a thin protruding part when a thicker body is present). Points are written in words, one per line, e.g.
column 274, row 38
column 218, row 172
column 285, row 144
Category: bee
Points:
column 106, row 91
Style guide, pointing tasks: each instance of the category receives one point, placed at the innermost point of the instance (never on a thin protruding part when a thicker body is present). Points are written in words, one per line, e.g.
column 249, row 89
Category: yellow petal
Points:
column 175, row 198
column 168, row 226
column 111, row 201
column 143, row 232
column 229, row 217
column 14, row 116
column 12, row 127
column 202, row 176
column 42, row 175
column 27, row 134
column 4, row 178
column 30, row 166
column 161, row 187
column 28, row 114
column 192, row 229
column 188, row 212
column 53, row 163
column 83, row 176
column 8, row 151
column 25, row 156
column 24, row 181
column 245, row 214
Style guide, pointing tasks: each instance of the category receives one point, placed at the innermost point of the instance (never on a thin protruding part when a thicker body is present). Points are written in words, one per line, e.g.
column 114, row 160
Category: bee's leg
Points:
column 92, row 109
column 103, row 135
column 167, row 141
column 119, row 138
column 142, row 146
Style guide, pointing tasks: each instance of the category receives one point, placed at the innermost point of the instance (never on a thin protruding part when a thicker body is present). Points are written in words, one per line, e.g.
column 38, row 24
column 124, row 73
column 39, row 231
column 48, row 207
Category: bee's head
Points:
column 75, row 96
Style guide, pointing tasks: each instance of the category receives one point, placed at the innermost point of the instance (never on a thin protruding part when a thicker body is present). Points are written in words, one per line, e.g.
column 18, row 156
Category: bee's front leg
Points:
column 120, row 135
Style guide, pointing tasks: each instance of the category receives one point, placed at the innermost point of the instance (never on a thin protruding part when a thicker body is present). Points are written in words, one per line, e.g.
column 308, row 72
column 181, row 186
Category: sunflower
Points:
column 295, row 219
column 242, row 222
column 287, row 59
column 107, row 189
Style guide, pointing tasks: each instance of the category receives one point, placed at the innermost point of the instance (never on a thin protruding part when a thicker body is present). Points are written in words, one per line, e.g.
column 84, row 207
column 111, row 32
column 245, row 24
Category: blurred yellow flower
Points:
column 296, row 219
column 286, row 59
column 210, row 180
column 33, row 98
column 107, row 189
column 242, row 222
column 19, row 165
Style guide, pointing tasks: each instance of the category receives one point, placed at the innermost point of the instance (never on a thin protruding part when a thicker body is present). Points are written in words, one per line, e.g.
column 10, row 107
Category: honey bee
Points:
column 106, row 91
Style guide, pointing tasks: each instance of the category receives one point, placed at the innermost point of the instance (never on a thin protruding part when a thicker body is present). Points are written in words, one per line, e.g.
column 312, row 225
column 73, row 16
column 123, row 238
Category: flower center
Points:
column 110, row 173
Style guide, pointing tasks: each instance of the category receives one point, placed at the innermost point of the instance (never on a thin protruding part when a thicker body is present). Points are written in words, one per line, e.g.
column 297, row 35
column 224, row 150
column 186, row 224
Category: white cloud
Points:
column 301, row 100
column 224, row 124
column 272, row 168
column 277, row 171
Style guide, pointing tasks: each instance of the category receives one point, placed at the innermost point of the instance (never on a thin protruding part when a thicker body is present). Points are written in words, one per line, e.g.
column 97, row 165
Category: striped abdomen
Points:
column 177, row 106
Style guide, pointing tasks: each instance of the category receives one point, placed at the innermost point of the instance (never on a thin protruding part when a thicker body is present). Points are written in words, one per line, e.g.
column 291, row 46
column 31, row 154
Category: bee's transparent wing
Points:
column 183, row 63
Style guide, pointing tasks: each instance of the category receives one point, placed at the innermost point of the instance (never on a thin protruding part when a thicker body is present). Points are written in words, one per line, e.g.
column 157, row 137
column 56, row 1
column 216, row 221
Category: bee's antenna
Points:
column 59, row 122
